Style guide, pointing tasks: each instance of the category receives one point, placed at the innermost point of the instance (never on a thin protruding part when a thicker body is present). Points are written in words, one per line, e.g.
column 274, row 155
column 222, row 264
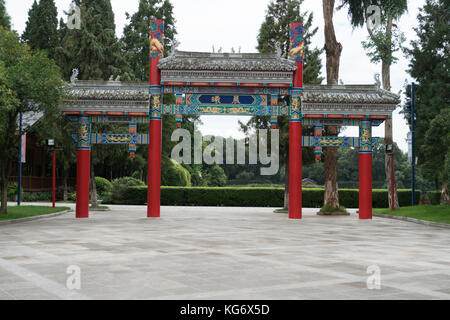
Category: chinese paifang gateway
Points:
column 227, row 84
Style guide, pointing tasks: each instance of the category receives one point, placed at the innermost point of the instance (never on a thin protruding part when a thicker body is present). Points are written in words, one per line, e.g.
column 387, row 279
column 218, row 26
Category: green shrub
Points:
column 248, row 197
column 434, row 197
column 127, row 181
column 37, row 196
column 121, row 191
column 72, row 196
column 103, row 185
column 11, row 192
column 175, row 175
column 332, row 209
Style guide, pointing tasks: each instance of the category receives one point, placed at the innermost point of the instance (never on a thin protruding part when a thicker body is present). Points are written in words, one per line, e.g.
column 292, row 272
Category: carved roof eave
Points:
column 354, row 99
column 203, row 61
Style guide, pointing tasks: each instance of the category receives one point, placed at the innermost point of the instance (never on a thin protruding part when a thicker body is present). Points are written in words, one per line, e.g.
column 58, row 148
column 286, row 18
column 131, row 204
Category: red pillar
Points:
column 295, row 170
column 83, row 167
column 295, row 123
column 155, row 127
column 365, row 170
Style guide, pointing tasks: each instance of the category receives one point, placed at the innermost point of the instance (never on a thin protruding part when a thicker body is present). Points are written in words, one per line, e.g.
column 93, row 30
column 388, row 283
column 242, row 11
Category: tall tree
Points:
column 41, row 31
column 136, row 49
column 274, row 36
column 135, row 40
column 333, row 50
column 5, row 20
column 437, row 147
column 94, row 48
column 384, row 40
column 429, row 66
column 30, row 82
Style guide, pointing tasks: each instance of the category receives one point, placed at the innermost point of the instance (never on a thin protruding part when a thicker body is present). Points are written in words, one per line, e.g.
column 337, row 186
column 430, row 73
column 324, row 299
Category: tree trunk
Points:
column 333, row 51
column 388, row 166
column 65, row 191
column 331, row 193
column 5, row 172
column 94, row 201
column 388, row 137
column 333, row 48
column 4, row 190
column 445, row 199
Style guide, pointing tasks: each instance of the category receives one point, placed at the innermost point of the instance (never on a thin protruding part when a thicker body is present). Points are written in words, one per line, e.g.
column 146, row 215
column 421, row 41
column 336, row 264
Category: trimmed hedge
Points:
column 434, row 197
column 251, row 197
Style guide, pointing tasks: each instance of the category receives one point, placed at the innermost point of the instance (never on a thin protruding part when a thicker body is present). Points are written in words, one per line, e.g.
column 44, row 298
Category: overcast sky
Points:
column 202, row 24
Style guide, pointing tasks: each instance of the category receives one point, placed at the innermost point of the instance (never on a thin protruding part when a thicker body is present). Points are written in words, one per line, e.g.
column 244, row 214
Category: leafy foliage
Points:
column 41, row 30
column 135, row 40
column 5, row 20
column 94, row 49
column 32, row 82
column 429, row 65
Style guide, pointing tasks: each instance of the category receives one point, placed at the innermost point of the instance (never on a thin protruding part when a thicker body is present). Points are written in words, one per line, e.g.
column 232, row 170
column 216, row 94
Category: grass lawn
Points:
column 439, row 214
column 29, row 211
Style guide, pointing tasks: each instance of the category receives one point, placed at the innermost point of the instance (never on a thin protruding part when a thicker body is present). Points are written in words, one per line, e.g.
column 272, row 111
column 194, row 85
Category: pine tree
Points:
column 274, row 32
column 429, row 66
column 41, row 31
column 5, row 20
column 384, row 40
column 136, row 49
column 94, row 49
column 135, row 40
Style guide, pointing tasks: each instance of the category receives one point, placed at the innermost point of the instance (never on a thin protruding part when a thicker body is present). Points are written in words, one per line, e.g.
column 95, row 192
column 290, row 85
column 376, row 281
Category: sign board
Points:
column 24, row 148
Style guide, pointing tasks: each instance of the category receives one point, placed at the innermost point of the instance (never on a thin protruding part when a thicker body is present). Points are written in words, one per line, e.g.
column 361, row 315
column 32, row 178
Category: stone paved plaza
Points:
column 222, row 253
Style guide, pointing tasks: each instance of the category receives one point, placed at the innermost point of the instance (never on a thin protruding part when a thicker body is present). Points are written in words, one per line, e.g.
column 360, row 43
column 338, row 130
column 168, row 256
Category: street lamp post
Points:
column 51, row 143
column 19, row 176
column 390, row 153
column 413, row 162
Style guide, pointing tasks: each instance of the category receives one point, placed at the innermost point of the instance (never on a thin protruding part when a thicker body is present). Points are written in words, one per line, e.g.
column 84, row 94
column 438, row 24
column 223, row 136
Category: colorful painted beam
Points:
column 180, row 89
column 338, row 142
column 144, row 118
column 226, row 99
column 225, row 84
column 225, row 110
column 116, row 138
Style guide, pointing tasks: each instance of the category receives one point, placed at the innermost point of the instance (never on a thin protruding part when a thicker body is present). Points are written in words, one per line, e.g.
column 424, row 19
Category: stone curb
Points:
column 45, row 216
column 423, row 222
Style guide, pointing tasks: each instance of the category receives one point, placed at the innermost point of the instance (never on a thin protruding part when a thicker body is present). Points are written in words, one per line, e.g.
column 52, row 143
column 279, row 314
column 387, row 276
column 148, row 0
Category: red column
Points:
column 295, row 170
column 83, row 167
column 295, row 123
column 154, row 169
column 155, row 127
column 365, row 170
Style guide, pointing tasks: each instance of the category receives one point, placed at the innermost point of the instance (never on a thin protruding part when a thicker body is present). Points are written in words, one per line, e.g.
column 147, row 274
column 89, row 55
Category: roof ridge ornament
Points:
column 278, row 49
column 175, row 46
column 74, row 76
column 377, row 80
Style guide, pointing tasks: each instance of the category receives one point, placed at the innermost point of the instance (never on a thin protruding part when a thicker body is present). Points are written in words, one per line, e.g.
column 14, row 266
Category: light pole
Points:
column 390, row 153
column 413, row 163
column 51, row 143
column 19, row 176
